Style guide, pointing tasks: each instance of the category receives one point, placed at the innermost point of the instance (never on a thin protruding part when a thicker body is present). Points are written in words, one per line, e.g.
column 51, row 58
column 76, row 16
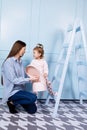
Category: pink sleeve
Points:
column 45, row 67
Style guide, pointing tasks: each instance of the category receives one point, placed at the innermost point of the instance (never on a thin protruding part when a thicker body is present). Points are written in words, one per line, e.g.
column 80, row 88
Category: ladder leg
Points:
column 47, row 100
column 58, row 66
column 85, row 49
column 64, row 71
column 84, row 39
column 81, row 100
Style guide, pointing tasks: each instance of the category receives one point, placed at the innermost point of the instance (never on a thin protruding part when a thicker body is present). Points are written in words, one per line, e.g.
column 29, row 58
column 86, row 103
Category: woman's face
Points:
column 22, row 51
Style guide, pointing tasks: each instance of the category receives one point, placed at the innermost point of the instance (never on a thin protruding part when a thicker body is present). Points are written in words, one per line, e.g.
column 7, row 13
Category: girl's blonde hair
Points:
column 39, row 47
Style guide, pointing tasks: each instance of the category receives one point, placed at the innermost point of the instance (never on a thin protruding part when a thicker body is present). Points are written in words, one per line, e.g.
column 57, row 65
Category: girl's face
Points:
column 22, row 51
column 36, row 54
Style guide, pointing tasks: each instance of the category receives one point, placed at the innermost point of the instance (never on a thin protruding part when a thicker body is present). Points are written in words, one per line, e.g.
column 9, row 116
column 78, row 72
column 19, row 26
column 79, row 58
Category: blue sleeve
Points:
column 10, row 74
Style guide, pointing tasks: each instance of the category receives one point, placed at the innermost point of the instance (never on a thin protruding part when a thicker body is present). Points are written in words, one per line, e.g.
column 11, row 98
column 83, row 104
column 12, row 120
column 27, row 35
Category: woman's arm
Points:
column 10, row 74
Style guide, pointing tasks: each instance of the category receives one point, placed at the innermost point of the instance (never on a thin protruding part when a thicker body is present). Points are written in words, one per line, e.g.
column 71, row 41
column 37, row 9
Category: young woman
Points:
column 13, row 80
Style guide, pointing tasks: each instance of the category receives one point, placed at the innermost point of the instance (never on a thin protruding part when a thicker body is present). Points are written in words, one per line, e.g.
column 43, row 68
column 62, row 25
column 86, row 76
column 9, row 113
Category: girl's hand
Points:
column 34, row 79
column 45, row 75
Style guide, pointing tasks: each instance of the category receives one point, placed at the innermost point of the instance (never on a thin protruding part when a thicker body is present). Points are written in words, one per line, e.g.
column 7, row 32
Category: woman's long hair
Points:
column 17, row 46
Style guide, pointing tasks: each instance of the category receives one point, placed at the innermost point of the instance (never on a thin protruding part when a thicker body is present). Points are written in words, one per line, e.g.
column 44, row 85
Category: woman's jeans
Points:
column 26, row 100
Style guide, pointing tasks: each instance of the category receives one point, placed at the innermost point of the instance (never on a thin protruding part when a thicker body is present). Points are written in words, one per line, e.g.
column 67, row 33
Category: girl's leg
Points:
column 36, row 93
column 41, row 94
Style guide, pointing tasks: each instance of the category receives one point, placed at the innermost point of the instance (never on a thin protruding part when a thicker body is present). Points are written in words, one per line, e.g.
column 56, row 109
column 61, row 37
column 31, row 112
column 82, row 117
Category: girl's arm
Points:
column 45, row 69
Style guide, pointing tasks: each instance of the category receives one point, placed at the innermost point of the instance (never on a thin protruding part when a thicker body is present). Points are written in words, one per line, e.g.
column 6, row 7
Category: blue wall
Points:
column 41, row 21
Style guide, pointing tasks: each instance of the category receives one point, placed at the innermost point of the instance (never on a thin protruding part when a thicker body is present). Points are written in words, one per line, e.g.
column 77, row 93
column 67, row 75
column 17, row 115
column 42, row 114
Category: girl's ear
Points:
column 40, row 54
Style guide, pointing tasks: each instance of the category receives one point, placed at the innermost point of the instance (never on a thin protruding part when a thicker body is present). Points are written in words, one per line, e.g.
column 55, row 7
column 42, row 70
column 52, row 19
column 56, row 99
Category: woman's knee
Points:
column 31, row 109
column 34, row 98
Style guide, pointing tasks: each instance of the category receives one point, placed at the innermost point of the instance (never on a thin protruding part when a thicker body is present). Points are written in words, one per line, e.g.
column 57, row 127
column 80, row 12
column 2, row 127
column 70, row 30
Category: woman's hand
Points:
column 34, row 78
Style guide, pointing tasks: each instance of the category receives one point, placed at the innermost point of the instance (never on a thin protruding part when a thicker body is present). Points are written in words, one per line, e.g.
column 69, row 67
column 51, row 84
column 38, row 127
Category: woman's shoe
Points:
column 11, row 108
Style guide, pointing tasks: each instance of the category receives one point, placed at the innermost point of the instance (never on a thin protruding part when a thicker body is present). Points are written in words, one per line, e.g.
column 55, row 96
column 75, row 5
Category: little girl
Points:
column 40, row 64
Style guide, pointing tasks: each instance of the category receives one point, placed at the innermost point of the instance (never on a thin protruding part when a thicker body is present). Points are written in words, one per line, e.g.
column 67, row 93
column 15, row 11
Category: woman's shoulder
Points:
column 8, row 60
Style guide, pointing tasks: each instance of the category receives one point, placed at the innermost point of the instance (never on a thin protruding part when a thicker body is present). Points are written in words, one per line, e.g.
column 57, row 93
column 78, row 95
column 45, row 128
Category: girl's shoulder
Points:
column 34, row 60
column 44, row 60
column 39, row 61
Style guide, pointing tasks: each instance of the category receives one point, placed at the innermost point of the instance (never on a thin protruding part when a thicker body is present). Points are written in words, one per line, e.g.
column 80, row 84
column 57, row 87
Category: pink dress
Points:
column 42, row 66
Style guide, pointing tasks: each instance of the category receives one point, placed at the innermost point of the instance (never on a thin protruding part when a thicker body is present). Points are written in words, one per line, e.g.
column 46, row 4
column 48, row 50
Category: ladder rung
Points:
column 82, row 94
column 60, row 62
column 81, row 63
column 66, row 45
column 82, row 78
column 78, row 29
column 70, row 28
column 55, row 78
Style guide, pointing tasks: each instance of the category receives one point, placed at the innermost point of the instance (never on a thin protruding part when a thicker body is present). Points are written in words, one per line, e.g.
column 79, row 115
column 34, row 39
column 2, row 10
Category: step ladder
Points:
column 78, row 26
column 60, row 62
